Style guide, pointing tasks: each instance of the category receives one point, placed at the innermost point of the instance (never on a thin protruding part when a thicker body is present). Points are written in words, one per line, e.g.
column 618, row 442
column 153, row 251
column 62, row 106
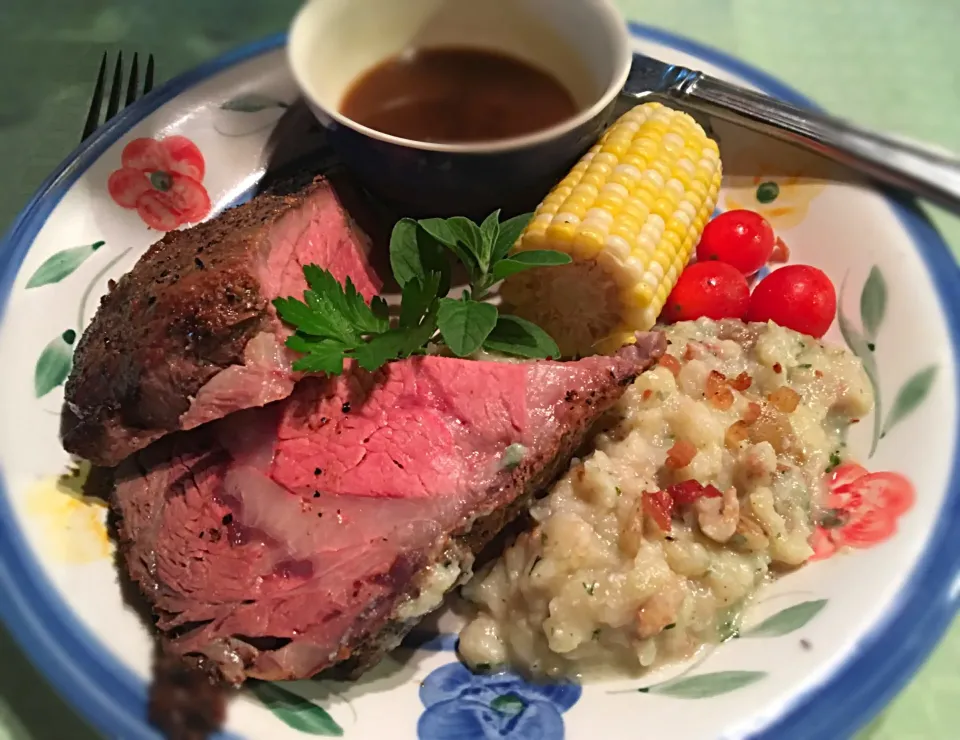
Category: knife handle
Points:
column 924, row 171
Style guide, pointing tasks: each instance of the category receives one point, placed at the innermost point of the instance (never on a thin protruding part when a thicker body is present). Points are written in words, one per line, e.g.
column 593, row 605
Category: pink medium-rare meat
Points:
column 190, row 334
column 284, row 541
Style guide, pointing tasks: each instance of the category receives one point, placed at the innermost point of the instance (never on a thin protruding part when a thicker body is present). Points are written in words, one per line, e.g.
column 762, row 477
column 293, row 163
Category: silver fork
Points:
column 133, row 91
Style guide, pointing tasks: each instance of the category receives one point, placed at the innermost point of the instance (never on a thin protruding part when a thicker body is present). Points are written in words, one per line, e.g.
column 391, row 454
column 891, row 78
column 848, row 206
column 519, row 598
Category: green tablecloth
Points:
column 889, row 64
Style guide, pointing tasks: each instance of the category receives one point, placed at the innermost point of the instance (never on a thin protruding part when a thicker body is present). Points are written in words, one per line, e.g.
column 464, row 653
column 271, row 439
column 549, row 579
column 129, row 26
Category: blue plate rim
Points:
column 113, row 698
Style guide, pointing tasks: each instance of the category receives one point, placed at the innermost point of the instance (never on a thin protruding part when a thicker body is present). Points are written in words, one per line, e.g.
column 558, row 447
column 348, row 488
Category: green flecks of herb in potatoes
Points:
column 513, row 455
column 335, row 323
column 834, row 461
column 590, row 588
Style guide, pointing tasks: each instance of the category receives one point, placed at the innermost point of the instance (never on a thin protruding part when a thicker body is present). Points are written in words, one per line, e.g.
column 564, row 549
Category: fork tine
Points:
column 93, row 115
column 133, row 83
column 113, row 105
column 148, row 79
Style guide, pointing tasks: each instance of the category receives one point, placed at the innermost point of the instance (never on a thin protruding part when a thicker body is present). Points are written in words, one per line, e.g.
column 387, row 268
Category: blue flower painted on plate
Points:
column 461, row 705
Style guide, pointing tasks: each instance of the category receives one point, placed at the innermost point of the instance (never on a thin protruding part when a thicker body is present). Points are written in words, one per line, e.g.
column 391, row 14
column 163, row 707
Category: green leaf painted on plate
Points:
column 53, row 365
column 295, row 711
column 873, row 303
column 862, row 349
column 252, row 103
column 788, row 620
column 705, row 685
column 911, row 395
column 508, row 704
column 61, row 264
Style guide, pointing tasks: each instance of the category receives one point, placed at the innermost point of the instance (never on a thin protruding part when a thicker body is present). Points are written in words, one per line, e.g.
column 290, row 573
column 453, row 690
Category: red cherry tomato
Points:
column 740, row 238
column 798, row 297
column 712, row 289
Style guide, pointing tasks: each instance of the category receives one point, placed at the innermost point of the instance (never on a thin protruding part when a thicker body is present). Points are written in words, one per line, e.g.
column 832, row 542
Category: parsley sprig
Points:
column 333, row 322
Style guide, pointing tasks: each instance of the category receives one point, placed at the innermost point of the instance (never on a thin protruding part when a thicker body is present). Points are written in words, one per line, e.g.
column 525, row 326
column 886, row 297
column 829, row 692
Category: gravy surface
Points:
column 457, row 95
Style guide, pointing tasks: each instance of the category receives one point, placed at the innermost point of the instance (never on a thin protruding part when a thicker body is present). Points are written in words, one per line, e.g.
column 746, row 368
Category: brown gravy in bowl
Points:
column 457, row 95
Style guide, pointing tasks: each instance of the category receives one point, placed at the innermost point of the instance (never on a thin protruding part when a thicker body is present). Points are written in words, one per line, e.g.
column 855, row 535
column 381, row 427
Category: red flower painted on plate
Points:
column 860, row 509
column 162, row 179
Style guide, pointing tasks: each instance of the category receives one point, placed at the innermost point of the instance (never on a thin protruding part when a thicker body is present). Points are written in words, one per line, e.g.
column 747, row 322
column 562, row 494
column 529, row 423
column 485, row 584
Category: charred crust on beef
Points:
column 134, row 374
column 185, row 703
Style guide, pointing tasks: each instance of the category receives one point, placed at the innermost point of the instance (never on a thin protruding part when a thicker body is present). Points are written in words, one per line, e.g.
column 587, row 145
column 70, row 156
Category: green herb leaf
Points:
column 788, row 620
column 295, row 711
column 53, row 365
column 404, row 252
column 464, row 325
column 706, row 685
column 489, row 230
column 327, row 360
column 468, row 235
column 910, row 396
column 515, row 336
column 416, row 251
column 527, row 261
column 397, row 343
column 873, row 303
column 510, row 231
column 62, row 264
column 417, row 297
column 320, row 355
column 441, row 233
column 345, row 301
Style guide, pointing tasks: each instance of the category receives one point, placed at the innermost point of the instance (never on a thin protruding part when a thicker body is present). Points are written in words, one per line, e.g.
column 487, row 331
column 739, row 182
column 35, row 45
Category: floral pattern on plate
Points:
column 162, row 180
column 862, row 509
column 461, row 705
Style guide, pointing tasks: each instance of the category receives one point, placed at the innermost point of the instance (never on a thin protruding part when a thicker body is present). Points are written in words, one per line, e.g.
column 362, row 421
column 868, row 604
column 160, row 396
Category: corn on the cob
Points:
column 629, row 214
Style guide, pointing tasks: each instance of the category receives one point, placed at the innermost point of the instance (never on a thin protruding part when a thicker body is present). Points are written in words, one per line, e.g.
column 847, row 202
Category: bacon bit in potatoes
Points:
column 752, row 413
column 773, row 427
column 741, row 382
column 688, row 491
column 658, row 506
column 784, row 399
column 777, row 368
column 645, row 396
column 717, row 392
column 782, row 468
column 681, row 454
column 671, row 363
column 736, row 434
column 781, row 252
column 818, row 373
column 691, row 352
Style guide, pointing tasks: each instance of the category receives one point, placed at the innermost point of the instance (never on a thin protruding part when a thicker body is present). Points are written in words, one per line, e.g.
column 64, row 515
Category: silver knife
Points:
column 930, row 173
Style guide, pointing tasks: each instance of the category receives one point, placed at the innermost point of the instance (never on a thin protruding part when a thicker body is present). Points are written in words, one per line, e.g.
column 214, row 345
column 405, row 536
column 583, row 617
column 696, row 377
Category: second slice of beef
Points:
column 190, row 334
column 281, row 542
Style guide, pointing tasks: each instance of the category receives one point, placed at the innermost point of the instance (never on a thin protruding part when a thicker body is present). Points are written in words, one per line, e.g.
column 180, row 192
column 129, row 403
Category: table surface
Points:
column 888, row 64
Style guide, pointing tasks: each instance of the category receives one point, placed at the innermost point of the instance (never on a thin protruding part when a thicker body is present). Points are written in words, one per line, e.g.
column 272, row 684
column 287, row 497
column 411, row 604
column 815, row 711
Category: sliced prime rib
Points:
column 190, row 334
column 283, row 541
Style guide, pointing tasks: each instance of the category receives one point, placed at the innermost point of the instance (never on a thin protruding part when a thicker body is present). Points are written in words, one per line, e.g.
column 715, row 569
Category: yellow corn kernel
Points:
column 629, row 214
